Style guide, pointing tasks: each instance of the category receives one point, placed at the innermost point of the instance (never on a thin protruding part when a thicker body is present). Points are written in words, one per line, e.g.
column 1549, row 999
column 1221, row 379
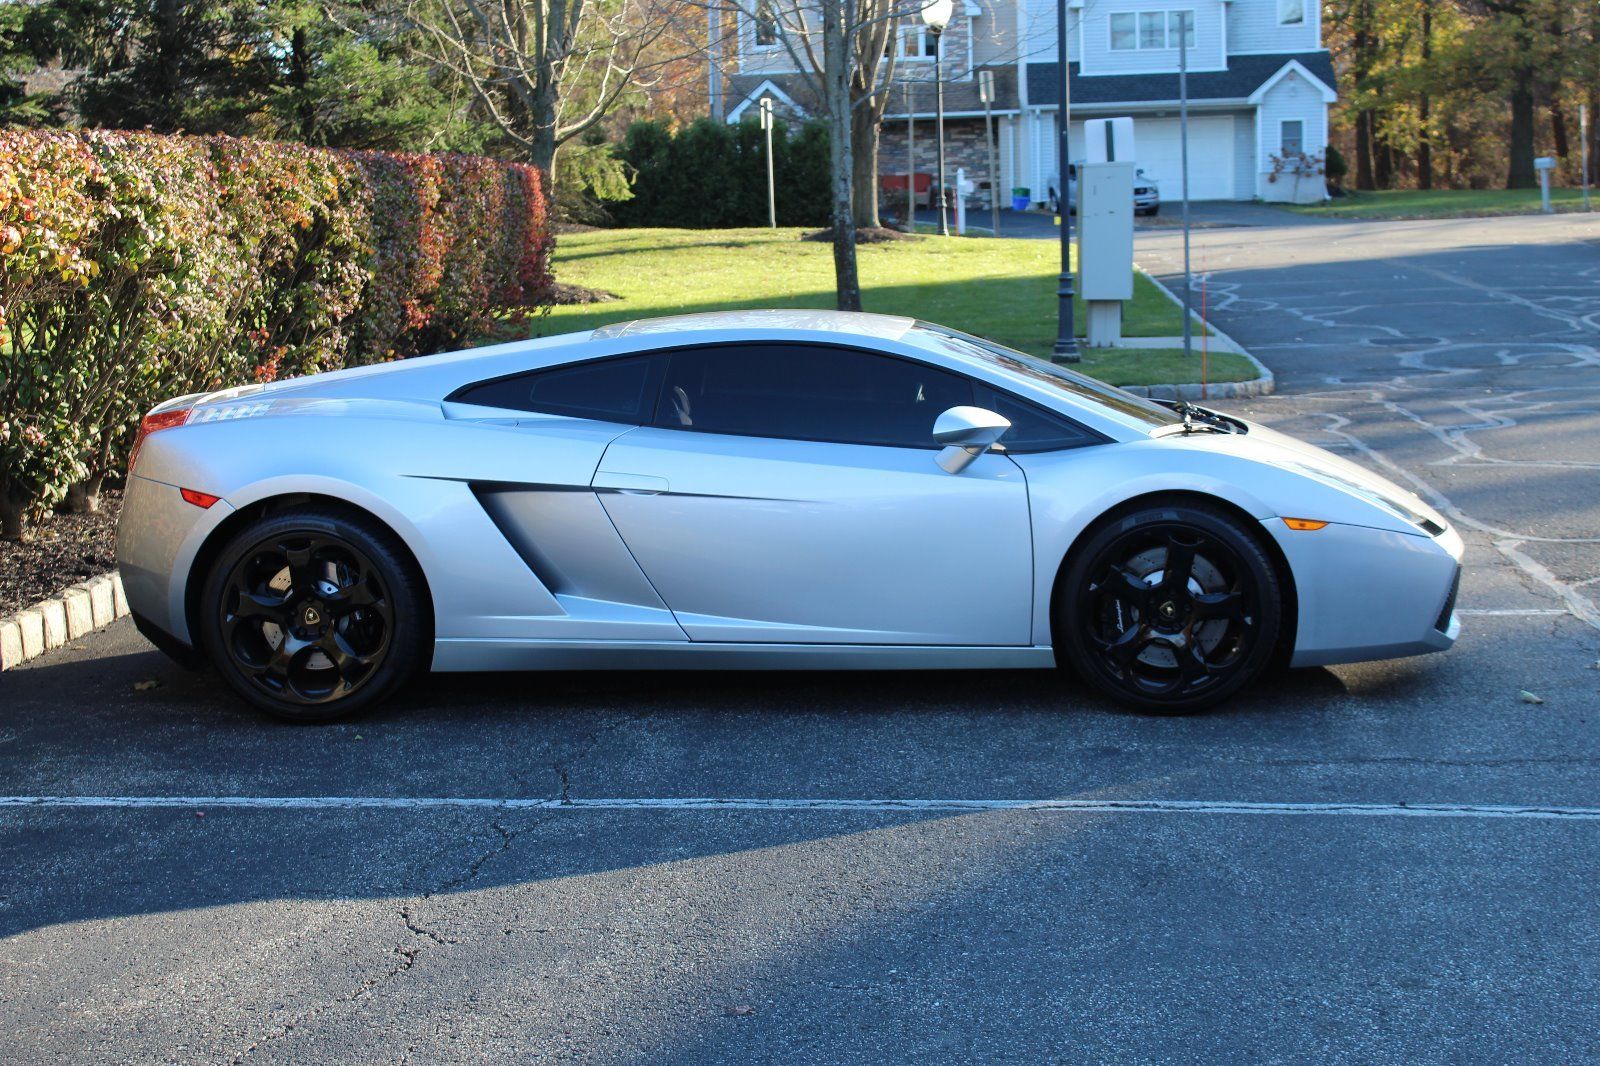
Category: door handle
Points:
column 629, row 484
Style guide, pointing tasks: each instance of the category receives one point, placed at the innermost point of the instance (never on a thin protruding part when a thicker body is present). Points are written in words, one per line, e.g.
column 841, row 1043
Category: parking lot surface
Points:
column 1389, row 862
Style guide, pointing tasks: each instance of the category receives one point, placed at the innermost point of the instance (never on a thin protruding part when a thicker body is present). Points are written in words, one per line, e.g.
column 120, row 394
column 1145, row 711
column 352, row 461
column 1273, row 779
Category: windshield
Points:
column 1052, row 375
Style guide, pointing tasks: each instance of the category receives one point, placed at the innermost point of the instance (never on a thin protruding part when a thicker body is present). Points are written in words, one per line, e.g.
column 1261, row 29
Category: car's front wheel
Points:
column 1170, row 609
column 312, row 614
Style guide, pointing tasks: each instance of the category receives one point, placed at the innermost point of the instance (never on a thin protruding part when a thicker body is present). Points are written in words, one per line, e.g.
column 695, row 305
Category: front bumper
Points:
column 1371, row 593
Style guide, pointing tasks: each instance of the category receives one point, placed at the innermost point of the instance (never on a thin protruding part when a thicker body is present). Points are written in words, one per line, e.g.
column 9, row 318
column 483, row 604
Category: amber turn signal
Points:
column 1305, row 525
column 201, row 500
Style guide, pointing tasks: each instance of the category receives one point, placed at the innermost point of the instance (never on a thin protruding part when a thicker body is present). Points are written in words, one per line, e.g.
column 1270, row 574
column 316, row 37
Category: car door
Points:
column 789, row 493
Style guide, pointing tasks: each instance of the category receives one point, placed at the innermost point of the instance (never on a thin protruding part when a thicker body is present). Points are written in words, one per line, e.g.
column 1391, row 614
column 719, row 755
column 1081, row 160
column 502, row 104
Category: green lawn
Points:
column 1000, row 289
column 1444, row 203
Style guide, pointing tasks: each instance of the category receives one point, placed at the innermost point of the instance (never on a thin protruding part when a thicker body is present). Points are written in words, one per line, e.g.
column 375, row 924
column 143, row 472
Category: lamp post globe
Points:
column 936, row 16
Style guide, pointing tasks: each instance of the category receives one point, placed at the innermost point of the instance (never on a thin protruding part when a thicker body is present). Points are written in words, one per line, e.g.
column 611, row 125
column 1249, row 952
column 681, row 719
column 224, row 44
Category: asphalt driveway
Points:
column 1390, row 862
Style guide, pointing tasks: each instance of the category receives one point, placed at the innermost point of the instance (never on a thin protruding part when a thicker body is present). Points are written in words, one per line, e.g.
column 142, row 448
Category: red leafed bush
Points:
column 134, row 267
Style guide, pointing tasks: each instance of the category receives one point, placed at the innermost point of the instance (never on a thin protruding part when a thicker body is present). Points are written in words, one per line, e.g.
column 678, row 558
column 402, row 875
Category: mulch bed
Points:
column 62, row 550
column 872, row 235
column 562, row 293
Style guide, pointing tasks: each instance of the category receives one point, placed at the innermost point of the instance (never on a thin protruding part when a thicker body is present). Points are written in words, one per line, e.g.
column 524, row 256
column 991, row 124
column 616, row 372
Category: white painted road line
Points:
column 712, row 804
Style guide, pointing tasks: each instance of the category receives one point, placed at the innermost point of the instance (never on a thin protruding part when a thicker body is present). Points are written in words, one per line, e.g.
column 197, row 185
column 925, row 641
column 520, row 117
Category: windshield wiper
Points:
column 1196, row 418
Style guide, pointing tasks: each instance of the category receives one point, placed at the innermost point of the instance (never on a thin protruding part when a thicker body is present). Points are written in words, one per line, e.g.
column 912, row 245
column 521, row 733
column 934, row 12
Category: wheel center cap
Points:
column 311, row 617
column 1168, row 610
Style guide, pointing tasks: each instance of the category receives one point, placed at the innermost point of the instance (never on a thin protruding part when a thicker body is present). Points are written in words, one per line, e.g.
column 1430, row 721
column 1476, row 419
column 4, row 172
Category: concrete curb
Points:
column 1263, row 385
column 66, row 616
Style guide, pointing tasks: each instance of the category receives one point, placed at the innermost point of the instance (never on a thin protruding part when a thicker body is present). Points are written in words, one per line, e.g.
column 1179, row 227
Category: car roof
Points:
column 788, row 320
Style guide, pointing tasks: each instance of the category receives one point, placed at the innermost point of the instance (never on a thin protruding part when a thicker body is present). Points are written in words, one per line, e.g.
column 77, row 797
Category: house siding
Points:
column 1293, row 97
column 1253, row 27
column 1244, row 154
column 1206, row 54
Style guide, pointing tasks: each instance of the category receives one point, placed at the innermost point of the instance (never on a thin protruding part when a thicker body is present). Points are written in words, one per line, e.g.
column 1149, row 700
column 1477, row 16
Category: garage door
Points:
column 1211, row 156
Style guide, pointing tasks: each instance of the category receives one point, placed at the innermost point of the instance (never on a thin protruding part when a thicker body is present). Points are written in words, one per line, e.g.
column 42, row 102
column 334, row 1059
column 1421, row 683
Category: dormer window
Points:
column 1150, row 30
column 766, row 20
column 1291, row 12
column 918, row 42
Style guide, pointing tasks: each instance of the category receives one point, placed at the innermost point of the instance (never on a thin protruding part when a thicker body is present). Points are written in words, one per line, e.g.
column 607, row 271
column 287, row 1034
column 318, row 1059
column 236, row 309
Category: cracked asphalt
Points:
column 1462, row 357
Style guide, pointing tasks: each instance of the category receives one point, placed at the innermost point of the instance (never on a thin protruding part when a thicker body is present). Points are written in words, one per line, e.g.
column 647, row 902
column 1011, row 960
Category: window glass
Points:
column 766, row 26
column 1033, row 429
column 1124, row 31
column 611, row 390
column 1153, row 29
column 807, row 392
column 1291, row 12
column 1292, row 139
column 1068, row 382
column 1180, row 22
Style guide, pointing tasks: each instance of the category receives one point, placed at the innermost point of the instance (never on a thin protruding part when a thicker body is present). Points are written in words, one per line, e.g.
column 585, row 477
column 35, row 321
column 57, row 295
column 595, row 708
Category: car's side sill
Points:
column 458, row 654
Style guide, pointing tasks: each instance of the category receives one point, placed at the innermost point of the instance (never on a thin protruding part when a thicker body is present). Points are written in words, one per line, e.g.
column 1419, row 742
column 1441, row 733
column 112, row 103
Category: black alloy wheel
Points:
column 313, row 614
column 1171, row 609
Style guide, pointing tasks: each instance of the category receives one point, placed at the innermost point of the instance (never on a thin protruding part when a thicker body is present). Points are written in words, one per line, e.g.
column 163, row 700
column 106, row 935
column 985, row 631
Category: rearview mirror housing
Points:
column 966, row 433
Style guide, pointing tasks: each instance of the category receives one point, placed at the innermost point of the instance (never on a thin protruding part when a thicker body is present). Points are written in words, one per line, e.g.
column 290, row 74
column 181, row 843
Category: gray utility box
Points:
column 1105, row 246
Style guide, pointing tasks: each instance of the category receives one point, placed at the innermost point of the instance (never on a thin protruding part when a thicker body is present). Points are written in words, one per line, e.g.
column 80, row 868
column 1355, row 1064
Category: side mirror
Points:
column 966, row 433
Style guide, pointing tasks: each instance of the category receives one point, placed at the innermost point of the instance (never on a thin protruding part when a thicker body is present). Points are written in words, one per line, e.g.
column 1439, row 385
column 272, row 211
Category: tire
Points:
column 1157, row 644
column 338, row 591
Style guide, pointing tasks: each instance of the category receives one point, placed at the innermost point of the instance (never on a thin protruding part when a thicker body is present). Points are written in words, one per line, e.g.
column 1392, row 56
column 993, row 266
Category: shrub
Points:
column 710, row 175
column 134, row 267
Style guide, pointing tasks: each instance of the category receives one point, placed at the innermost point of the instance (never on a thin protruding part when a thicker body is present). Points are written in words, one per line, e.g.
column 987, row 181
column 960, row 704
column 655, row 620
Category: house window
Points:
column 1149, row 30
column 918, row 42
column 1180, row 22
column 1292, row 137
column 1291, row 12
column 1124, row 31
column 766, row 25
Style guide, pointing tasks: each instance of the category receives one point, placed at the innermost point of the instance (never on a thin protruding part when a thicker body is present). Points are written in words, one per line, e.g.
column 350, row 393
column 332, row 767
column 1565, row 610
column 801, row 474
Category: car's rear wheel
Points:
column 1170, row 609
column 313, row 614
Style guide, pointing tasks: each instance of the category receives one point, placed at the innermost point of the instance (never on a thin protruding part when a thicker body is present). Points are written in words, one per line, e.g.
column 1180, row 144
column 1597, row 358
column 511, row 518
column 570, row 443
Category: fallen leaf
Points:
column 741, row 1010
column 145, row 686
column 1528, row 697
column 199, row 814
column 359, row 736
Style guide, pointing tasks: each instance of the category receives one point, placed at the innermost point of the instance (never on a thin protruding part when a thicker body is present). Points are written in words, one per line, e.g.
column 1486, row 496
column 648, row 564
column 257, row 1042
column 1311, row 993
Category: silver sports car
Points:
column 758, row 490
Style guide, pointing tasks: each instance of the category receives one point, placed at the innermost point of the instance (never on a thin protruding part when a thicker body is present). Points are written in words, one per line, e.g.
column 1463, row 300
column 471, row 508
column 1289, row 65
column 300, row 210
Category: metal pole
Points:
column 1066, row 347
column 994, row 171
column 911, row 159
column 1183, row 163
column 938, row 92
column 1583, row 138
column 772, row 196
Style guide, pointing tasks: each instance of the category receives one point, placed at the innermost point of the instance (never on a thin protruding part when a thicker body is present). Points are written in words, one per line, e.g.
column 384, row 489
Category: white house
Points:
column 1260, row 84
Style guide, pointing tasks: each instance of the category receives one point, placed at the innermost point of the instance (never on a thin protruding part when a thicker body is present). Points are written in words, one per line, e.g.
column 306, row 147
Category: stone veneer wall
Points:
column 963, row 147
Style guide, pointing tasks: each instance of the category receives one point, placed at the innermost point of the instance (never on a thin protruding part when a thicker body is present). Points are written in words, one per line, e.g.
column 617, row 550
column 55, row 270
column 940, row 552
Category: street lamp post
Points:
column 1066, row 346
column 936, row 16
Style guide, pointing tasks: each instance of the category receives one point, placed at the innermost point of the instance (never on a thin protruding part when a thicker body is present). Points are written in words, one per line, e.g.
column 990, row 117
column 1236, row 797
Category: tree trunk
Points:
column 836, row 78
column 864, row 166
column 1594, row 136
column 1520, row 173
column 1425, row 106
column 1383, row 164
column 300, row 77
column 83, row 497
column 1364, row 151
column 13, row 504
column 1558, row 129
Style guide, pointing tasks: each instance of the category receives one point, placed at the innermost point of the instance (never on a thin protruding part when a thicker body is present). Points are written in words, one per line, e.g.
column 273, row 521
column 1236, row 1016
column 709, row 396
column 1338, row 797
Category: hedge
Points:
column 710, row 175
column 134, row 267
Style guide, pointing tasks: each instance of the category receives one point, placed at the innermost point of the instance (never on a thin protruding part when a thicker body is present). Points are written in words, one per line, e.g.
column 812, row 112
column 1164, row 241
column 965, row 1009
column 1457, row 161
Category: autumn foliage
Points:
column 135, row 267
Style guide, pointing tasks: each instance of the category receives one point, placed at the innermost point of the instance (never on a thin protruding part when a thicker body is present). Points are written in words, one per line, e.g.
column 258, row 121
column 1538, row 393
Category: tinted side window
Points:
column 1033, row 429
column 611, row 390
column 807, row 392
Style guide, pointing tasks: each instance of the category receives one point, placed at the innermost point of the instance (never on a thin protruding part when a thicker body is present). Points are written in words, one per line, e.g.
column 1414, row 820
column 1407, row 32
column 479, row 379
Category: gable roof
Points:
column 1245, row 74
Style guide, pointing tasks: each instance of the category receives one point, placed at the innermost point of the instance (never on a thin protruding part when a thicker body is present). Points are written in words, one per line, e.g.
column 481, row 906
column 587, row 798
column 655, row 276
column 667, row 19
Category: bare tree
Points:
column 546, row 70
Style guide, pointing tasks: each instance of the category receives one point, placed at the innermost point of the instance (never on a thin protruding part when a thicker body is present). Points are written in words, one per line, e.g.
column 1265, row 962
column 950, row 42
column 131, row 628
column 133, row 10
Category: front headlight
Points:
column 1399, row 504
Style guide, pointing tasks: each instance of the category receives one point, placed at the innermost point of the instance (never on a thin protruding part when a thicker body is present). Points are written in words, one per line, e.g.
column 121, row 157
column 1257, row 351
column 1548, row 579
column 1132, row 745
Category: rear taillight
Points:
column 153, row 422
